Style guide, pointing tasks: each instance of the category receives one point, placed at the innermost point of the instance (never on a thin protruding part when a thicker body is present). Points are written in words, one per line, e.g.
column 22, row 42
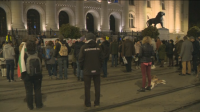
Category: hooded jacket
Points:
column 8, row 52
column 91, row 58
column 105, row 47
column 52, row 60
column 128, row 49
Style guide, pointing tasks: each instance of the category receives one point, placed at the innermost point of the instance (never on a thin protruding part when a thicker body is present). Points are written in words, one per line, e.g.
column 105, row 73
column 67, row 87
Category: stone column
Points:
column 16, row 11
column 80, row 19
column 177, row 16
column 141, row 14
column 125, row 15
column 104, row 16
column 171, row 16
column 51, row 15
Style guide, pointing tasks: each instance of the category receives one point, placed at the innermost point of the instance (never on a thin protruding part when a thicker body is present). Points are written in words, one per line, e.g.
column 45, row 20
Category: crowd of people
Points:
column 90, row 58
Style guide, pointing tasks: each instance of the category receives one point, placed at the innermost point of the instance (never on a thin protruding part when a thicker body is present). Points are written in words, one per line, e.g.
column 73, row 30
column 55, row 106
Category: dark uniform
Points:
column 90, row 60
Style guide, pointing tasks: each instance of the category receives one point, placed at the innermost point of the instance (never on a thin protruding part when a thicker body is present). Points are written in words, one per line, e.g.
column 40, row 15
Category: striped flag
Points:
column 21, row 63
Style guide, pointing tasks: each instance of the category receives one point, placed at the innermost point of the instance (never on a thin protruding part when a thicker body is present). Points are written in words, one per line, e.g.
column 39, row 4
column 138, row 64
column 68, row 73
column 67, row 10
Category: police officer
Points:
column 8, row 38
column 91, row 61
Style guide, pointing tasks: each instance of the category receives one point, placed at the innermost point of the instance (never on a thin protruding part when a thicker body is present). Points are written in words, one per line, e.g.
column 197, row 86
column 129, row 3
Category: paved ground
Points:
column 118, row 93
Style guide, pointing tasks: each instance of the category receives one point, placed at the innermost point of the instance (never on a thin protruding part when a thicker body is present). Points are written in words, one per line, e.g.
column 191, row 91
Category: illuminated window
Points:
column 131, row 2
column 148, row 4
column 131, row 21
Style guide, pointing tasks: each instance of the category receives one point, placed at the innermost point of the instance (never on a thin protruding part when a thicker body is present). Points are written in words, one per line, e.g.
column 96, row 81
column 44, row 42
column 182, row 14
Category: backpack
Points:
column 33, row 65
column 63, row 50
column 48, row 54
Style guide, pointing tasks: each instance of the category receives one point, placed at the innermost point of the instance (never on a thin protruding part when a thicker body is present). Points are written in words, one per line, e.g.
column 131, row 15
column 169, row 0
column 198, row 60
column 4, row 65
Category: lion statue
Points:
column 158, row 19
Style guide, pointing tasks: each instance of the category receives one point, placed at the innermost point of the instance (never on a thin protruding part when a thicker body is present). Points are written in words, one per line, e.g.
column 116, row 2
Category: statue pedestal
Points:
column 164, row 33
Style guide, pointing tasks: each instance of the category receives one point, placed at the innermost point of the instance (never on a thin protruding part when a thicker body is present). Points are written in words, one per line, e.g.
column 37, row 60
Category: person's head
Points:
column 24, row 39
column 36, row 41
column 50, row 43
column 171, row 41
column 57, row 40
column 61, row 38
column 82, row 38
column 199, row 37
column 158, row 38
column 185, row 38
column 192, row 39
column 90, row 36
column 31, row 45
column 103, row 38
column 163, row 42
column 146, row 39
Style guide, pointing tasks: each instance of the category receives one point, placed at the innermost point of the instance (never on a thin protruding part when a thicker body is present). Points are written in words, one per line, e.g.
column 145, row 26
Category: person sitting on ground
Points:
column 146, row 51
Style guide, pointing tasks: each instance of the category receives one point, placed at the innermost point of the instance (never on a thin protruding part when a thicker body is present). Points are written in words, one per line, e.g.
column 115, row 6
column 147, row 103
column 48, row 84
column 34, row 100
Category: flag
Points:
column 21, row 63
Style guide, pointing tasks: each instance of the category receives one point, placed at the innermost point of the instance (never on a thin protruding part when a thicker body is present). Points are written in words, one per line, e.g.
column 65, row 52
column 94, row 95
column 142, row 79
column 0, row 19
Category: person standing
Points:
column 114, row 52
column 76, row 54
column 153, row 43
column 120, row 53
column 146, row 51
column 74, row 65
column 91, row 61
column 128, row 50
column 32, row 77
column 178, row 51
column 158, row 44
column 61, row 54
column 105, row 46
column 162, row 53
column 137, row 50
column 9, row 56
column 8, row 37
column 186, row 56
column 50, row 60
column 169, row 50
column 195, row 53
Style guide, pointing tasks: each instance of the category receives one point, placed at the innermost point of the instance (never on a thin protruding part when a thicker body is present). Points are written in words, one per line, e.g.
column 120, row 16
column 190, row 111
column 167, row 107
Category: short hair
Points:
column 50, row 43
column 103, row 37
column 61, row 37
column 158, row 37
column 146, row 39
column 185, row 38
column 24, row 39
column 30, row 45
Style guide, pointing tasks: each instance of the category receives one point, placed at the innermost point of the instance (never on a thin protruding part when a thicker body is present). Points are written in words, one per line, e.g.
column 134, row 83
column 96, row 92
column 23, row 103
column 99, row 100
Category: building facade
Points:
column 93, row 15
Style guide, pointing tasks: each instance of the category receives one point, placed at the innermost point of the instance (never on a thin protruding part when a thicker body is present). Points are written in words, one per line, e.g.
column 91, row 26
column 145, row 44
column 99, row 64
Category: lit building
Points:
column 93, row 15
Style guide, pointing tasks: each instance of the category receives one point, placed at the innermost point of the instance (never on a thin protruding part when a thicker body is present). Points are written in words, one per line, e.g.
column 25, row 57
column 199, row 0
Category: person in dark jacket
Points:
column 120, row 52
column 195, row 53
column 32, row 82
column 91, row 61
column 114, row 52
column 105, row 46
column 51, row 63
column 162, row 53
column 178, row 51
column 169, row 51
column 128, row 50
column 62, row 60
column 146, row 51
column 76, row 54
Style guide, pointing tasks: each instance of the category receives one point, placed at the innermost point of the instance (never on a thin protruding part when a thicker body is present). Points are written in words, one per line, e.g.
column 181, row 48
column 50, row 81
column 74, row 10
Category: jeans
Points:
column 29, row 86
column 146, row 71
column 62, row 63
column 10, row 68
column 128, row 66
column 105, row 67
column 87, row 83
column 51, row 69
column 79, row 71
column 114, row 59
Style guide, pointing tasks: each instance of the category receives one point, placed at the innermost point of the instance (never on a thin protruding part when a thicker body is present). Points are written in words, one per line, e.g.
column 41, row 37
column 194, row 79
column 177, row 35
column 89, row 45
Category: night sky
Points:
column 194, row 13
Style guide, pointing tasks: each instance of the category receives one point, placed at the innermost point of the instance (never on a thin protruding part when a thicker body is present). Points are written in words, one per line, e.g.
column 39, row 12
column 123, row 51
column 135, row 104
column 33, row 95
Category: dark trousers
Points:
column 194, row 61
column 16, row 60
column 105, row 67
column 62, row 63
column 152, row 60
column 87, row 82
column 146, row 71
column 10, row 68
column 30, row 85
column 114, row 59
column 128, row 66
column 51, row 69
